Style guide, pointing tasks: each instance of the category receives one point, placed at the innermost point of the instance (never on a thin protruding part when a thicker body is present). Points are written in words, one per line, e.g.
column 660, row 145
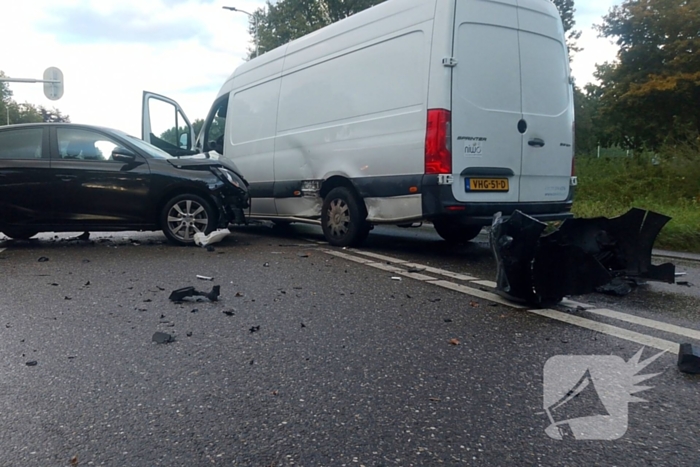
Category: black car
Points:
column 65, row 177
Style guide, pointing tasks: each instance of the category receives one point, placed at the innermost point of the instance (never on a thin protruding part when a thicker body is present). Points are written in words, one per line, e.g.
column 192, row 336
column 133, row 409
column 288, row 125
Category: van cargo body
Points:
column 441, row 110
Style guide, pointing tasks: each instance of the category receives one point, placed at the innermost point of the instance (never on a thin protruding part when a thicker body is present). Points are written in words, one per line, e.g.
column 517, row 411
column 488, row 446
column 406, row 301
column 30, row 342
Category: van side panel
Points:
column 353, row 104
column 251, row 123
column 547, row 103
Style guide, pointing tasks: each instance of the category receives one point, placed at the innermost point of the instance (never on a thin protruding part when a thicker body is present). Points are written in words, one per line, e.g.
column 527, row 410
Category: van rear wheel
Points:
column 343, row 218
column 456, row 233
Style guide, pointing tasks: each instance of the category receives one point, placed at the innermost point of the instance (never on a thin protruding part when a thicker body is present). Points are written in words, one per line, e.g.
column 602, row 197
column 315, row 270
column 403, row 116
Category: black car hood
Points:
column 199, row 162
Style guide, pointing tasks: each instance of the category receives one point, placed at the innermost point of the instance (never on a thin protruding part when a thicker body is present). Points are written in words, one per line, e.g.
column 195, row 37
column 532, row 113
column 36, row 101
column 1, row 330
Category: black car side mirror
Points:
column 121, row 154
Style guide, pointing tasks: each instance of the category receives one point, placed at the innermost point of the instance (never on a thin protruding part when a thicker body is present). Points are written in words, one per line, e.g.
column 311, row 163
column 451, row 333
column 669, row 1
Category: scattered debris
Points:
column 205, row 278
column 619, row 287
column 447, row 320
column 266, row 265
column 214, row 237
column 415, row 269
column 32, row 363
column 74, row 461
column 303, row 325
column 238, row 294
column 147, row 300
column 395, row 278
column 685, row 283
column 67, row 298
column 303, row 255
column 210, row 248
column 435, row 399
column 577, row 258
column 189, row 334
column 229, row 312
column 86, row 284
column 474, row 304
column 254, row 329
column 162, row 338
column 85, row 261
column 180, row 294
column 689, row 359
column 434, row 300
column 252, row 361
column 454, row 341
column 194, row 310
column 43, row 259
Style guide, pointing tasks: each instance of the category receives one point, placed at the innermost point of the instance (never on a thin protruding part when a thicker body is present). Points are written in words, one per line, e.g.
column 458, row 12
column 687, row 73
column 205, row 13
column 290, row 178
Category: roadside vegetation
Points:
column 666, row 181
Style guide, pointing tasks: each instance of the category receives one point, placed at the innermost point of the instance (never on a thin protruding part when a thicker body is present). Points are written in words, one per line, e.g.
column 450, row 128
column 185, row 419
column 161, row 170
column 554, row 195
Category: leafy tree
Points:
column 567, row 10
column 287, row 20
column 651, row 94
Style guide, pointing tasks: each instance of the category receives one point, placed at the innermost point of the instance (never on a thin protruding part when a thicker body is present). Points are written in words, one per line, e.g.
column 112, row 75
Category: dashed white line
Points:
column 649, row 323
column 388, row 259
column 442, row 272
column 490, row 284
column 477, row 293
column 614, row 331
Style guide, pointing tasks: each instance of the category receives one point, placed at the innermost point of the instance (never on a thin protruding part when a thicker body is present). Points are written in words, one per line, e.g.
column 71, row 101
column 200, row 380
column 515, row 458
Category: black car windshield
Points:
column 151, row 150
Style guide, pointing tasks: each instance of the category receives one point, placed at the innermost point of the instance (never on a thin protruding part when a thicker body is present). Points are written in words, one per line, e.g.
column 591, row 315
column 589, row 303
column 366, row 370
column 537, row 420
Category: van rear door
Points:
column 505, row 101
column 547, row 104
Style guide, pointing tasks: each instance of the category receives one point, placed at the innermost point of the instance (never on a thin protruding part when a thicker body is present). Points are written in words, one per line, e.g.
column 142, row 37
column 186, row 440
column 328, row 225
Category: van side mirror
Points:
column 121, row 154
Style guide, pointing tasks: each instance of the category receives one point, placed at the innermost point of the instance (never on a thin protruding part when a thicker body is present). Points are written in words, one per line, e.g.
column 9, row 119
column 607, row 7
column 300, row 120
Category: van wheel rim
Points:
column 338, row 218
column 187, row 218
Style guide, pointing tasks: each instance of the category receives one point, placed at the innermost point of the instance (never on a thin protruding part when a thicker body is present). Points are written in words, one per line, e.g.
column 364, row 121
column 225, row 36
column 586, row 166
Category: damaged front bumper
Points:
column 577, row 258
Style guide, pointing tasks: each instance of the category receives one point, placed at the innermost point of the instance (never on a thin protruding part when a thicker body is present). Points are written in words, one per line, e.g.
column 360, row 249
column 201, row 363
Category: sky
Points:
column 110, row 51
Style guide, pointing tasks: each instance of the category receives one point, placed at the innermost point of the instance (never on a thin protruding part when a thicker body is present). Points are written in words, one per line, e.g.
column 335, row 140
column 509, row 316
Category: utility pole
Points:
column 255, row 24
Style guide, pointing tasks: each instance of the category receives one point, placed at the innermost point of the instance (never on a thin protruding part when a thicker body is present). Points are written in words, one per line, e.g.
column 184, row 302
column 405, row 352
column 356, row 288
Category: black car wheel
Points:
column 343, row 218
column 186, row 215
column 20, row 234
column 456, row 233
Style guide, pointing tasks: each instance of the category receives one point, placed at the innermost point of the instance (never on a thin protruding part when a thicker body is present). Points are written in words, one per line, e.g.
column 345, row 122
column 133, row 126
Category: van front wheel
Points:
column 456, row 233
column 343, row 218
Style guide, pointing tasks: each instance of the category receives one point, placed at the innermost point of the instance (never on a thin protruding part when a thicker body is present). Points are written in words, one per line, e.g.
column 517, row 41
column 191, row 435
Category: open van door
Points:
column 165, row 125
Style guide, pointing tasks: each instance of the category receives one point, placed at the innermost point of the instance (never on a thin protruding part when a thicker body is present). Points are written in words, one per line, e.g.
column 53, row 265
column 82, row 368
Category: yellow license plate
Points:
column 486, row 184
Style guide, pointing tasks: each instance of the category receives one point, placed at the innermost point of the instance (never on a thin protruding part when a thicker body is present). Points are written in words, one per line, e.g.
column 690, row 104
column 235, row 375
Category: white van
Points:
column 441, row 110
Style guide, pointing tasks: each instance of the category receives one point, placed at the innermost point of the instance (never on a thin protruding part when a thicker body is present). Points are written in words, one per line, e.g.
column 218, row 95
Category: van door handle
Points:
column 536, row 143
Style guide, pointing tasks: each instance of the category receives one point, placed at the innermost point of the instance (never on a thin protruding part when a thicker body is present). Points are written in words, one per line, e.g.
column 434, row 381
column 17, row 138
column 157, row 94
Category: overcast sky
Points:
column 112, row 50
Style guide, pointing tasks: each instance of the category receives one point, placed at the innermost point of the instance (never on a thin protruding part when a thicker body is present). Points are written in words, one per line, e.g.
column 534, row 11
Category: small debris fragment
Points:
column 229, row 312
column 254, row 329
column 474, row 304
column 43, row 259
column 194, row 310
column 689, row 359
column 415, row 269
column 266, row 265
column 435, row 399
column 74, row 459
column 147, row 300
column 213, row 237
column 210, row 248
column 85, row 261
column 252, row 361
column 448, row 320
column 180, row 294
column 433, row 300
column 86, row 284
column 685, row 283
column 302, row 255
column 162, row 338
column 32, row 363
column 189, row 334
column 395, row 278
column 275, row 392
column 454, row 341
column 67, row 298
column 83, row 236
column 493, row 304
column 205, row 278
column 618, row 287
column 238, row 294
column 303, row 325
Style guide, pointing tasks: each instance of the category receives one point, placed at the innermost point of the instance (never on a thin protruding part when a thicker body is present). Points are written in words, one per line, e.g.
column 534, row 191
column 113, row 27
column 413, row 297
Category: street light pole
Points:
column 255, row 23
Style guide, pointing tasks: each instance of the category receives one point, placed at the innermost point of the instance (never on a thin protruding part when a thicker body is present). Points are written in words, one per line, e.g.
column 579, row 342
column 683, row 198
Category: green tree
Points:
column 650, row 94
column 287, row 20
column 567, row 10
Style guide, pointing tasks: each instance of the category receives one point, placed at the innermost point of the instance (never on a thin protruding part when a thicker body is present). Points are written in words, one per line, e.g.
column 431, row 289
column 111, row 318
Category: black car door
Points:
column 97, row 190
column 25, row 197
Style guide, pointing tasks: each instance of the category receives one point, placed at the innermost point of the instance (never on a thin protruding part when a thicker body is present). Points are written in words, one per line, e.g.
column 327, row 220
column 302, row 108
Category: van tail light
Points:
column 438, row 154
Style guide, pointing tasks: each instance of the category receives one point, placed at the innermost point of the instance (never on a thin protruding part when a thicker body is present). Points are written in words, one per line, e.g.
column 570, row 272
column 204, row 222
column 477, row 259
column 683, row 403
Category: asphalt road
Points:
column 326, row 357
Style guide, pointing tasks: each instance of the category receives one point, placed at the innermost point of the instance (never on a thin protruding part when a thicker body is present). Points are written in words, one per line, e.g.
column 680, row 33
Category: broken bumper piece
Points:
column 577, row 258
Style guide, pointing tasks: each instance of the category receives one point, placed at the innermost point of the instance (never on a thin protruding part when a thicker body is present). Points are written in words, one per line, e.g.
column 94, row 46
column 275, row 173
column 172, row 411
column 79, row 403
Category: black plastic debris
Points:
column 32, row 363
column 229, row 312
column 254, row 329
column 43, row 259
column 210, row 248
column 689, row 359
column 84, row 236
column 579, row 257
column 180, row 294
column 266, row 265
column 162, row 338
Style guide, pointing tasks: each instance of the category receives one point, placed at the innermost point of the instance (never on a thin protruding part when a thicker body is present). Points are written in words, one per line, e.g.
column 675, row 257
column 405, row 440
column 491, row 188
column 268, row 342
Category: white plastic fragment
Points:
column 214, row 237
column 395, row 278
column 205, row 278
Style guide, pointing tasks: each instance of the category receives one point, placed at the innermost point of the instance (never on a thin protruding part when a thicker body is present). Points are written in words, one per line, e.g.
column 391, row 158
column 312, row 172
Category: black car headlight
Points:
column 228, row 176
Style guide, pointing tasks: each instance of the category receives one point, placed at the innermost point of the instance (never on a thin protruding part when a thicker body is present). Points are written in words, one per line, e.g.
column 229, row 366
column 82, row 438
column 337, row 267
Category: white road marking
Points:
column 382, row 266
column 650, row 323
column 574, row 304
column 477, row 293
column 2, row 249
column 388, row 259
column 348, row 257
column 442, row 272
column 643, row 339
column 490, row 284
